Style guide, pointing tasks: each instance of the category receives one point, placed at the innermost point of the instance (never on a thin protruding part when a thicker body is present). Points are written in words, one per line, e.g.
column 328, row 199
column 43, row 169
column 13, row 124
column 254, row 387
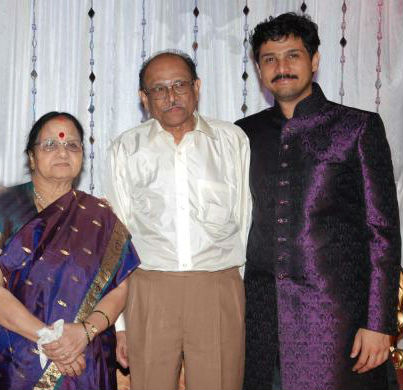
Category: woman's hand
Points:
column 74, row 369
column 69, row 346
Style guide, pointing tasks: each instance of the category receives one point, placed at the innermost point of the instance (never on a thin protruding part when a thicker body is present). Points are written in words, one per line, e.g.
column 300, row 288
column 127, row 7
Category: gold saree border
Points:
column 109, row 262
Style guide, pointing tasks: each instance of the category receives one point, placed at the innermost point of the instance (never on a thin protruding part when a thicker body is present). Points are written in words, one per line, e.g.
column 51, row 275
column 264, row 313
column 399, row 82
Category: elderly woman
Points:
column 64, row 255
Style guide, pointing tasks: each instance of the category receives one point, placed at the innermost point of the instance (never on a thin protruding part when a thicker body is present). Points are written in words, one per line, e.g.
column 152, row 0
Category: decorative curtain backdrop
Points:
column 58, row 34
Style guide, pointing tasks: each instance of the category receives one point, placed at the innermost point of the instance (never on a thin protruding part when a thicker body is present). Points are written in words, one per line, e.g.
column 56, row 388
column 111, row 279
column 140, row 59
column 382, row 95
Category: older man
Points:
column 323, row 254
column 180, row 182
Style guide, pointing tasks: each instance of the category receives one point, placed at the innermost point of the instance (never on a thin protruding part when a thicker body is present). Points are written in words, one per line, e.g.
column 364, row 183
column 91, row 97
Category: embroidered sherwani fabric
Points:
column 323, row 253
column 187, row 206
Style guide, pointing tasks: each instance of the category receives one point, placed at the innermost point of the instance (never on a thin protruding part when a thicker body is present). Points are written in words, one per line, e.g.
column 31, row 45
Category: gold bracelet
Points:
column 86, row 332
column 104, row 314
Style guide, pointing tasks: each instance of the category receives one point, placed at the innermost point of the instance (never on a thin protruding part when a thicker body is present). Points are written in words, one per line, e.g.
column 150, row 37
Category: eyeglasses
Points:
column 180, row 87
column 50, row 145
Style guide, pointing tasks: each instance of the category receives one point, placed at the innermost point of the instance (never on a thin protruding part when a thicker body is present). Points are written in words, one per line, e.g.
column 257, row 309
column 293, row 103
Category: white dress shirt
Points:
column 187, row 206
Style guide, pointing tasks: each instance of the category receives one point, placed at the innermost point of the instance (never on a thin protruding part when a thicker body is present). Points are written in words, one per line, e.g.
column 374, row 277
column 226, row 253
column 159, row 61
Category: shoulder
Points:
column 254, row 121
column 102, row 211
column 129, row 139
column 226, row 129
column 14, row 191
column 352, row 113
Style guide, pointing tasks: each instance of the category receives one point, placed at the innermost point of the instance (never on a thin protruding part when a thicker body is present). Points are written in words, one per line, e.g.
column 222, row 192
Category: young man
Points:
column 180, row 182
column 323, row 254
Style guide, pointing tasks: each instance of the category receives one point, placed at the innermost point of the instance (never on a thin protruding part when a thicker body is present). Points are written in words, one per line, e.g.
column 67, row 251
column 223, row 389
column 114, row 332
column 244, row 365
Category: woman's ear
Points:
column 31, row 161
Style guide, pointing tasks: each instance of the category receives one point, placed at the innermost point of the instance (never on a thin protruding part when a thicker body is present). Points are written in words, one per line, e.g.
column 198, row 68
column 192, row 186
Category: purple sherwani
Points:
column 324, row 249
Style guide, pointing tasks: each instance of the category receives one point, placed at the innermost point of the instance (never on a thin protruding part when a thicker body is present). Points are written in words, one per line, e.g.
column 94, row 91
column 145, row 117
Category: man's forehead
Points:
column 166, row 63
column 285, row 43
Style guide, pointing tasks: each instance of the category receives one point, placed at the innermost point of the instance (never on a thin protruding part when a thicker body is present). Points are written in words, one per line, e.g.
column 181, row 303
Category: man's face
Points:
column 175, row 110
column 286, row 68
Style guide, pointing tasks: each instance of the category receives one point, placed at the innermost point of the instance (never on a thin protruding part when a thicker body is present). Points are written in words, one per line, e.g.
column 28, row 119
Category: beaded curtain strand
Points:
column 91, row 108
column 378, row 82
column 34, row 73
column 143, row 33
column 195, row 45
column 245, row 75
column 343, row 43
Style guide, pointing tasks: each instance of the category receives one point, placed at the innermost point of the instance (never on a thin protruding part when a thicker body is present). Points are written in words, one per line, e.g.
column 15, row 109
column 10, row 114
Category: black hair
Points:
column 284, row 25
column 41, row 122
column 185, row 57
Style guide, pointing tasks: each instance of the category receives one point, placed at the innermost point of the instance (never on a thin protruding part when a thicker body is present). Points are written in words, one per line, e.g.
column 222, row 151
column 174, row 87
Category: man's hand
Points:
column 121, row 349
column 373, row 348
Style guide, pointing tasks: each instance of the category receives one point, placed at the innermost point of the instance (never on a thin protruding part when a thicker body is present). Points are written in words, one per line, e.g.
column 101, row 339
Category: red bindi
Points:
column 61, row 134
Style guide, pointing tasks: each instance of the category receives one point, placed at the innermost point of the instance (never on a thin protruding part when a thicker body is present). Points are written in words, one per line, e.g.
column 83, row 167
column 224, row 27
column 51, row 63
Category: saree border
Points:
column 52, row 378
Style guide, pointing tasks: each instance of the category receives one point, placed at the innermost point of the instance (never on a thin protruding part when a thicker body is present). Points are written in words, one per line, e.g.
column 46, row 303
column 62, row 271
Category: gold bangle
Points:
column 104, row 314
column 86, row 332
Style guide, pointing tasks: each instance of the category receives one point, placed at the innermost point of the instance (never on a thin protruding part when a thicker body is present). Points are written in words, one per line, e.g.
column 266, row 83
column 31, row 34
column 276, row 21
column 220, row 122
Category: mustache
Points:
column 284, row 76
column 174, row 105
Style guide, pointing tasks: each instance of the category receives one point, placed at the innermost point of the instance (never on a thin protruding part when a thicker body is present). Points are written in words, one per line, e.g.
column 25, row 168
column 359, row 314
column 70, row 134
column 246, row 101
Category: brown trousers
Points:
column 197, row 317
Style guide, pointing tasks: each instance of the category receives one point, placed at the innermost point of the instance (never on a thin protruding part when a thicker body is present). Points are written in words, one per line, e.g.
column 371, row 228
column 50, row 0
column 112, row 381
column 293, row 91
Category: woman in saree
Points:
column 63, row 255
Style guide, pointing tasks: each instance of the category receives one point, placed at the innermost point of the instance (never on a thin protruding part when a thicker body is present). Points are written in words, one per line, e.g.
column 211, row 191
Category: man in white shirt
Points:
column 180, row 183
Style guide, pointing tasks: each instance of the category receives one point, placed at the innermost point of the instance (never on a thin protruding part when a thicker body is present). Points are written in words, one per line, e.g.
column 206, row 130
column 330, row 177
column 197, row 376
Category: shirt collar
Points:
column 200, row 125
column 311, row 104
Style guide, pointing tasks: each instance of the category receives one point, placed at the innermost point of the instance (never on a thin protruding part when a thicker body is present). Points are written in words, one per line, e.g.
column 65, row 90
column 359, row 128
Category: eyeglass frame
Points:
column 168, row 88
column 59, row 143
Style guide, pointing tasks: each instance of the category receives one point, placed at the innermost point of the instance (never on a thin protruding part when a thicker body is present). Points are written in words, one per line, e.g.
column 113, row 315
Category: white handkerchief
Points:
column 46, row 336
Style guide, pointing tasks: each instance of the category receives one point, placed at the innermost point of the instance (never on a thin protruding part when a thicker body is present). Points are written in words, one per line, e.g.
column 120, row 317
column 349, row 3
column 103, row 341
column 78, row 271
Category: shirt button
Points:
column 281, row 239
column 284, row 165
column 282, row 275
column 184, row 265
column 286, row 147
column 283, row 183
column 287, row 130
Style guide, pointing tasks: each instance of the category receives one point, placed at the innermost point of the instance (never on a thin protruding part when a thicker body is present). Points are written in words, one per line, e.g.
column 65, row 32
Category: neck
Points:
column 47, row 192
column 178, row 132
column 287, row 108
column 288, row 105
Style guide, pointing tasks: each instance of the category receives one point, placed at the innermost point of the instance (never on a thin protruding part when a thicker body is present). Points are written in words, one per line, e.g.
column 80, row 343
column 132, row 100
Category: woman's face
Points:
column 63, row 164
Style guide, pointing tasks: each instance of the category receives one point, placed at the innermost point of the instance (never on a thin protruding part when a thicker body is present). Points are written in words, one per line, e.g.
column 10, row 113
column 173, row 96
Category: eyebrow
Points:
column 271, row 53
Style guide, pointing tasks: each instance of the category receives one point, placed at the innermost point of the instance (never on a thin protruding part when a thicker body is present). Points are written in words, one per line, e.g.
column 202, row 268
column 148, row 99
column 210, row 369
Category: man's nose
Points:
column 171, row 94
column 282, row 65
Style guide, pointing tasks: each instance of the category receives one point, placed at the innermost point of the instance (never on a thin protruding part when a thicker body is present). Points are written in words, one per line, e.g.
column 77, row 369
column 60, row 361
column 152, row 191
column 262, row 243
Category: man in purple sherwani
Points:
column 323, row 254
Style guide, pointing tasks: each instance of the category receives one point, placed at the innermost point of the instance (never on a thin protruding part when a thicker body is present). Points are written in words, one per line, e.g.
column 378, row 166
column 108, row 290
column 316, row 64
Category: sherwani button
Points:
column 284, row 165
column 282, row 220
column 284, row 183
column 282, row 275
column 286, row 147
column 283, row 202
column 281, row 239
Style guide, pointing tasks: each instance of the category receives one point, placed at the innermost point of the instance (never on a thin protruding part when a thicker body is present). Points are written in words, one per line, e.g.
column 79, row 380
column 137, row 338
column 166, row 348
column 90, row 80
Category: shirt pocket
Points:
column 214, row 202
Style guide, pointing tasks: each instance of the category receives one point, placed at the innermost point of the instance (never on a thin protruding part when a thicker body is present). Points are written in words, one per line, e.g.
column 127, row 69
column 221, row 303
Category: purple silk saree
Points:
column 59, row 263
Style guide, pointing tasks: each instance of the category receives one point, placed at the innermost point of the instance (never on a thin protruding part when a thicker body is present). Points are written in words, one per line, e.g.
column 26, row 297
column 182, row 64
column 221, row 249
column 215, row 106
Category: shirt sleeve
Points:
column 244, row 209
column 382, row 220
column 116, row 181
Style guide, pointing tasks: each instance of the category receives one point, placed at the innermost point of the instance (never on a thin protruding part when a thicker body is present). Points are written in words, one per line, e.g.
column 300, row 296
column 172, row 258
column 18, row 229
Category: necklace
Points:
column 41, row 200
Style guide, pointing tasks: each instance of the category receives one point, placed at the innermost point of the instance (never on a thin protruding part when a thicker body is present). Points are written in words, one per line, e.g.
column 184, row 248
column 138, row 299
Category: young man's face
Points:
column 286, row 69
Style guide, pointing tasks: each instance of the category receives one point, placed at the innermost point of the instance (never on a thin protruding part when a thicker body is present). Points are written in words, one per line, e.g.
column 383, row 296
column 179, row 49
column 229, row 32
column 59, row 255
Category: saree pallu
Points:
column 59, row 263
